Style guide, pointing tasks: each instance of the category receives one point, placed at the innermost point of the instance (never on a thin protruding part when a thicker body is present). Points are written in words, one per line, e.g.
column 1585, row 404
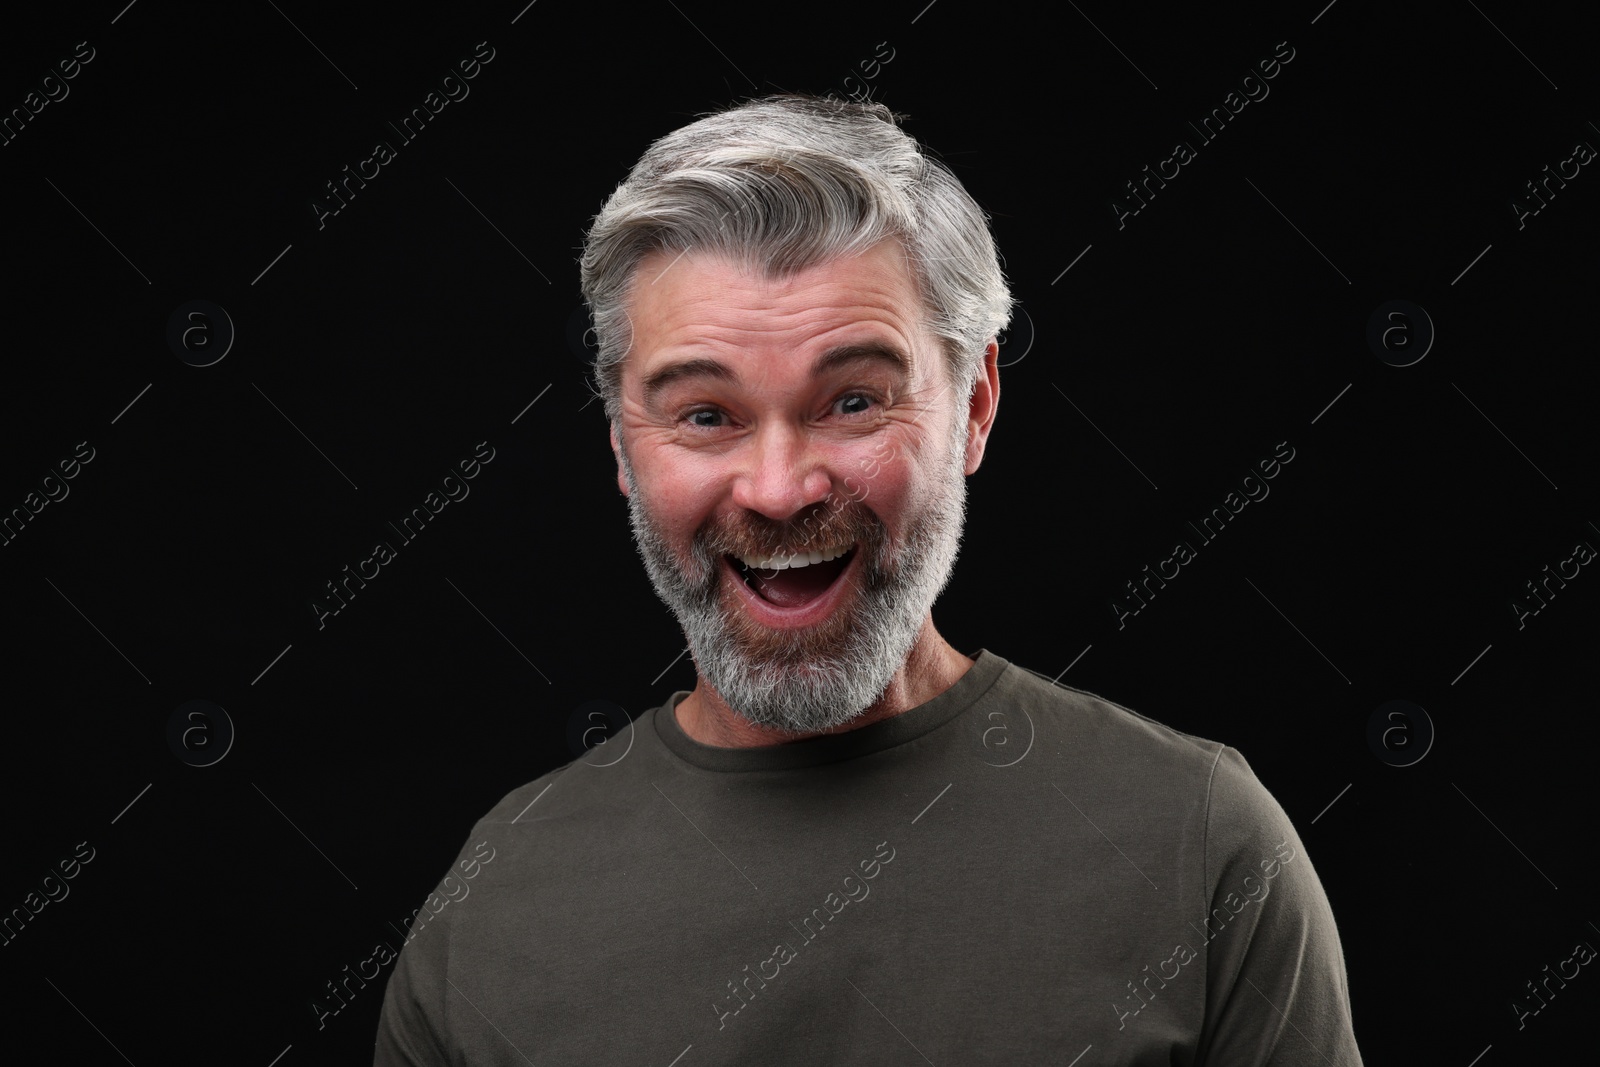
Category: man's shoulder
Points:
column 601, row 782
column 1103, row 727
column 521, row 804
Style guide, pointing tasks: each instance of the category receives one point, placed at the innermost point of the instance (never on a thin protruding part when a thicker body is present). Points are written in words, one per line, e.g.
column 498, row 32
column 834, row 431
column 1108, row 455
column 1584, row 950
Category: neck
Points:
column 932, row 666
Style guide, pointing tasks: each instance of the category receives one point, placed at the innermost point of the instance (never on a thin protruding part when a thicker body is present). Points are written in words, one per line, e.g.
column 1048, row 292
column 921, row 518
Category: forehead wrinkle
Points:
column 758, row 312
column 810, row 325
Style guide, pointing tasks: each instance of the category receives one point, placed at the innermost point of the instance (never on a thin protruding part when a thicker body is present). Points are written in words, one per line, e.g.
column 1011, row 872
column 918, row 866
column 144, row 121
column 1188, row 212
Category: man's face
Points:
column 768, row 459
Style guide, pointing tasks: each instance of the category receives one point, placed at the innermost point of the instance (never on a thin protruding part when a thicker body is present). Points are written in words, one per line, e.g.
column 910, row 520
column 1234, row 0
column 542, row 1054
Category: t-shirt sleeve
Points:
column 1276, row 989
column 412, row 1020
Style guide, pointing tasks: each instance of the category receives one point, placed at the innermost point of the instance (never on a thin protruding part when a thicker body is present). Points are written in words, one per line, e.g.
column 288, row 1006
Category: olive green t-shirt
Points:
column 1012, row 872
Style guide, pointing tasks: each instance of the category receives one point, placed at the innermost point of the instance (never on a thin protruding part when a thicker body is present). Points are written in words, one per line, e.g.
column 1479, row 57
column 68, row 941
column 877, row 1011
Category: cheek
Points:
column 678, row 516
column 887, row 492
column 893, row 491
column 678, row 495
column 885, row 462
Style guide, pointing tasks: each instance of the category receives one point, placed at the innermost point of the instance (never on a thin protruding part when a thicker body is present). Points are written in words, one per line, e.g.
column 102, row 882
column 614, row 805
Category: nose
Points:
column 783, row 474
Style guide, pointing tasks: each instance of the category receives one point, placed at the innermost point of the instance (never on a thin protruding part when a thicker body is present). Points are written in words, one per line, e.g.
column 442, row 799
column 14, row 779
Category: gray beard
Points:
column 804, row 684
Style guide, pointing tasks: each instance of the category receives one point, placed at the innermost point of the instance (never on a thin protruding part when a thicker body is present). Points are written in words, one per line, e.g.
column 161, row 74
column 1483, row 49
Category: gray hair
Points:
column 786, row 182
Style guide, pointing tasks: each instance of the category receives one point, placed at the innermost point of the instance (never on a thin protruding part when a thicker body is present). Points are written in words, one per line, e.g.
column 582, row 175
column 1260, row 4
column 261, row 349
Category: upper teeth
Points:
column 778, row 563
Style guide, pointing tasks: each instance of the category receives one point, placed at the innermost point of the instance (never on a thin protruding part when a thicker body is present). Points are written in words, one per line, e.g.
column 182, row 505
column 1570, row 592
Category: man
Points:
column 850, row 843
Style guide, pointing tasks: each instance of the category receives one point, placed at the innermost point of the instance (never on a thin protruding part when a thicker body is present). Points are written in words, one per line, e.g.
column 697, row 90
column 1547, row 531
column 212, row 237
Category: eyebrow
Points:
column 834, row 358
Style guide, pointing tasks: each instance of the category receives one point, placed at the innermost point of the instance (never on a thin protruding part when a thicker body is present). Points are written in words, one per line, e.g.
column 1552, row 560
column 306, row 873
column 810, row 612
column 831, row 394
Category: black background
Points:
column 373, row 353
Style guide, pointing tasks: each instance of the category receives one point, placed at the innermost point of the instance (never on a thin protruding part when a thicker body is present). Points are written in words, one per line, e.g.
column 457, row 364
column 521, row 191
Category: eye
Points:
column 692, row 415
column 846, row 398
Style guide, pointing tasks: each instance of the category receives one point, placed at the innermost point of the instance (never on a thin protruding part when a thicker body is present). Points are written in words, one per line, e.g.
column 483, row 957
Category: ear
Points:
column 616, row 450
column 985, row 402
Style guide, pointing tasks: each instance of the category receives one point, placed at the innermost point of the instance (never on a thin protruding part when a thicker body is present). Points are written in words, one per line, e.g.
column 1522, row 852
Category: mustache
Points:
column 817, row 531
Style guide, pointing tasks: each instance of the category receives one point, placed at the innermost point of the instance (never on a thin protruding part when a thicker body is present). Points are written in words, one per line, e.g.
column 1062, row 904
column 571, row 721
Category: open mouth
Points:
column 793, row 587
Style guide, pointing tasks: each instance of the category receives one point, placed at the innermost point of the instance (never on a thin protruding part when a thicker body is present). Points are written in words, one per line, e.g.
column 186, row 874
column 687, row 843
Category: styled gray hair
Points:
column 786, row 182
